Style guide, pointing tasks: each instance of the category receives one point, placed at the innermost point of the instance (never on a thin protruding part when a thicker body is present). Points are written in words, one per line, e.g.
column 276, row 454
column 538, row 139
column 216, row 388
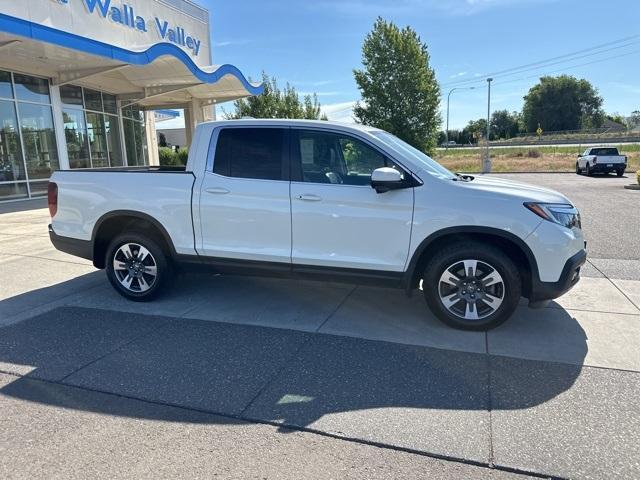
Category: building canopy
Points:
column 160, row 75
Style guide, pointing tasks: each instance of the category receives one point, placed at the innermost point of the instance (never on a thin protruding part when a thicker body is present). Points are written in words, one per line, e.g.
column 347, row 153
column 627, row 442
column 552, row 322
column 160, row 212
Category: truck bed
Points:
column 162, row 193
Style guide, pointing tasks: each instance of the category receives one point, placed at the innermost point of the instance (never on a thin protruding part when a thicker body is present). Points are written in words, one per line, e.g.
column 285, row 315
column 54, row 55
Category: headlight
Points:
column 560, row 213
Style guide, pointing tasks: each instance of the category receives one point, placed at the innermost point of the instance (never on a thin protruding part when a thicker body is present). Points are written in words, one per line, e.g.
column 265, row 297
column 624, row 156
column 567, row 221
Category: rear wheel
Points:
column 472, row 286
column 619, row 172
column 137, row 267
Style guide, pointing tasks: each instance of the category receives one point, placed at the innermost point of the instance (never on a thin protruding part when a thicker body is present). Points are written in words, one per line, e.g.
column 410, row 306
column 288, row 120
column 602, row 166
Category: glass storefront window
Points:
column 93, row 100
column 135, row 142
column 97, row 140
column 31, row 89
column 6, row 89
column 28, row 150
column 93, row 138
column 11, row 163
column 13, row 191
column 112, row 128
column 71, row 95
column 38, row 138
column 75, row 133
column 38, row 188
column 110, row 103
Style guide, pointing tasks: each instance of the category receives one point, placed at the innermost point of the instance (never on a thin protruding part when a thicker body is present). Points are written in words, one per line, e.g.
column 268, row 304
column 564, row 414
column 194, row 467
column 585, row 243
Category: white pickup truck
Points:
column 601, row 160
column 327, row 201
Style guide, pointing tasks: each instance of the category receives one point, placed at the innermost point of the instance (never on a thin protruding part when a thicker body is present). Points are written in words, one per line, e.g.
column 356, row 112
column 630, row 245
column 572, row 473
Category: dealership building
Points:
column 80, row 81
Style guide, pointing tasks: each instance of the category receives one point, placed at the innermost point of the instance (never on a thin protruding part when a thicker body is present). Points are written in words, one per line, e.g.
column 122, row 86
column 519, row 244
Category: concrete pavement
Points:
column 552, row 392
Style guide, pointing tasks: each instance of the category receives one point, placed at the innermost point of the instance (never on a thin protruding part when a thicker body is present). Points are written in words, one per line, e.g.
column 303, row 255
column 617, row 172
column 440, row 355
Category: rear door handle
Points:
column 309, row 198
column 217, row 190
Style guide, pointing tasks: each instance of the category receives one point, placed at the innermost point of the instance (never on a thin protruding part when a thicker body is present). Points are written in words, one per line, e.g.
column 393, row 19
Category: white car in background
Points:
column 327, row 201
column 601, row 160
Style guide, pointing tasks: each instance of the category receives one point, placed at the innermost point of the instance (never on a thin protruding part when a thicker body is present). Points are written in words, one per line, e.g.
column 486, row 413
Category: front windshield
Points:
column 422, row 160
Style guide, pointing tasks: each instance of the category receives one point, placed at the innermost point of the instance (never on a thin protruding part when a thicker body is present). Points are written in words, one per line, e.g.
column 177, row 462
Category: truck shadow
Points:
column 289, row 377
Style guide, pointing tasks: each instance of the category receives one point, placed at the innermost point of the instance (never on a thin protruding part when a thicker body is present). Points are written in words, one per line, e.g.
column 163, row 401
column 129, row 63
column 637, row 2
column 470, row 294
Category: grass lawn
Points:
column 525, row 159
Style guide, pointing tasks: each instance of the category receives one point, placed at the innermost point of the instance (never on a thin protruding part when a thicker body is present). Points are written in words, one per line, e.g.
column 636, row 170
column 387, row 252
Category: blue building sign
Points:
column 125, row 15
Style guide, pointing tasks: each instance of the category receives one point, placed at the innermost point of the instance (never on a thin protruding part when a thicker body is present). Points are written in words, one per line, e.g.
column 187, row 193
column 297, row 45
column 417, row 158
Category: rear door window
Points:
column 253, row 153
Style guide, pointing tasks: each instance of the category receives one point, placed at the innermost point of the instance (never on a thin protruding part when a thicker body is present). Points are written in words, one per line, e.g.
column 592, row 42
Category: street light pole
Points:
column 446, row 145
column 487, row 164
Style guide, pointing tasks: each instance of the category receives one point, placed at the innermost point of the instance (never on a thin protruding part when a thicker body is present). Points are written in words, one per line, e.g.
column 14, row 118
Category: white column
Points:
column 152, row 138
column 193, row 115
column 58, row 127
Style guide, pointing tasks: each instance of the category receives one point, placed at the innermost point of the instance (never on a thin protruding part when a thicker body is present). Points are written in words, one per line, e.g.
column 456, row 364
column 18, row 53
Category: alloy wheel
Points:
column 135, row 267
column 471, row 289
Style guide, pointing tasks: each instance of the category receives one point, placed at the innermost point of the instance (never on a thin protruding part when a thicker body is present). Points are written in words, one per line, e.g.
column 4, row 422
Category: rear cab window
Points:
column 259, row 153
column 605, row 152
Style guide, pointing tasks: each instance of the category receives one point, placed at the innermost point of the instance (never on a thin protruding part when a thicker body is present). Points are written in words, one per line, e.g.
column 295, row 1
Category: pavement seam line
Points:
column 489, row 401
column 44, row 308
column 46, row 258
column 616, row 286
column 276, row 375
column 111, row 352
column 342, row 302
column 296, row 428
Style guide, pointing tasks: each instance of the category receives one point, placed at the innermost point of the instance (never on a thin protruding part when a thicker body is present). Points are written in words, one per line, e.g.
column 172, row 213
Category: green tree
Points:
column 616, row 117
column 399, row 90
column 277, row 103
column 562, row 103
column 474, row 130
column 504, row 124
column 634, row 119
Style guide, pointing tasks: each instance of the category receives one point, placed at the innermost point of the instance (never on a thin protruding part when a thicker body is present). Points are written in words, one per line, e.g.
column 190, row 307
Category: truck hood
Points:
column 508, row 188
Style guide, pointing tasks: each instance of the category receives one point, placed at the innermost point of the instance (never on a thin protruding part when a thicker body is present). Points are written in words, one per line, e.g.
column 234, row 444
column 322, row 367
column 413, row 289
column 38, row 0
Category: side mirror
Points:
column 386, row 179
column 579, row 156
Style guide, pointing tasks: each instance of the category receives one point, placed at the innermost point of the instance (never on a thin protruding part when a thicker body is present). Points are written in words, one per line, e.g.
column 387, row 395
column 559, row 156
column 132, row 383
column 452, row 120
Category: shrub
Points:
column 534, row 154
column 167, row 157
column 182, row 156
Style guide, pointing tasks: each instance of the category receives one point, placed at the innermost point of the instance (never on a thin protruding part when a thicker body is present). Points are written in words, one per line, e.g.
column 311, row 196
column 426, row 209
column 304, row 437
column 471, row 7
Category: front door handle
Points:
column 217, row 190
column 307, row 197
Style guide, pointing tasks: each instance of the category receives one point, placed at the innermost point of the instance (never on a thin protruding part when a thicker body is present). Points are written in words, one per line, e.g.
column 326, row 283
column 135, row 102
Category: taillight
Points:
column 52, row 196
column 595, row 160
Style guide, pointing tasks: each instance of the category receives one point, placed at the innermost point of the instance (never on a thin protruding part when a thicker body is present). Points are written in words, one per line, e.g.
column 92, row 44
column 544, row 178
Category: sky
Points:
column 315, row 45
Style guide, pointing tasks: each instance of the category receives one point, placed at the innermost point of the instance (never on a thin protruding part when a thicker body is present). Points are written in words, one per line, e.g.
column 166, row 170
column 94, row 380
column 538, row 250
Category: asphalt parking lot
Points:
column 262, row 378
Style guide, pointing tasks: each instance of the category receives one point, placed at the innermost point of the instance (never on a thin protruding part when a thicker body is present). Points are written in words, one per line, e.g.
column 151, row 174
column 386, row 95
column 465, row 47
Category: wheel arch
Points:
column 517, row 250
column 114, row 223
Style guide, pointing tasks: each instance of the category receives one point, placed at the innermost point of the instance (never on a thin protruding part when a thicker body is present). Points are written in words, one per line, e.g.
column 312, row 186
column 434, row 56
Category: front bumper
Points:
column 543, row 292
column 72, row 246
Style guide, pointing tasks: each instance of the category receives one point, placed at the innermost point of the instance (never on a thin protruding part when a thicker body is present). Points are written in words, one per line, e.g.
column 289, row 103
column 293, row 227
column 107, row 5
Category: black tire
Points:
column 588, row 170
column 578, row 171
column 490, row 259
column 156, row 257
column 619, row 173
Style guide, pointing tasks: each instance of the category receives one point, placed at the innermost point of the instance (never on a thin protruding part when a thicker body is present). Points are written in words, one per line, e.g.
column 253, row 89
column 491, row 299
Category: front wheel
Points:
column 578, row 171
column 620, row 172
column 137, row 267
column 472, row 286
column 588, row 170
